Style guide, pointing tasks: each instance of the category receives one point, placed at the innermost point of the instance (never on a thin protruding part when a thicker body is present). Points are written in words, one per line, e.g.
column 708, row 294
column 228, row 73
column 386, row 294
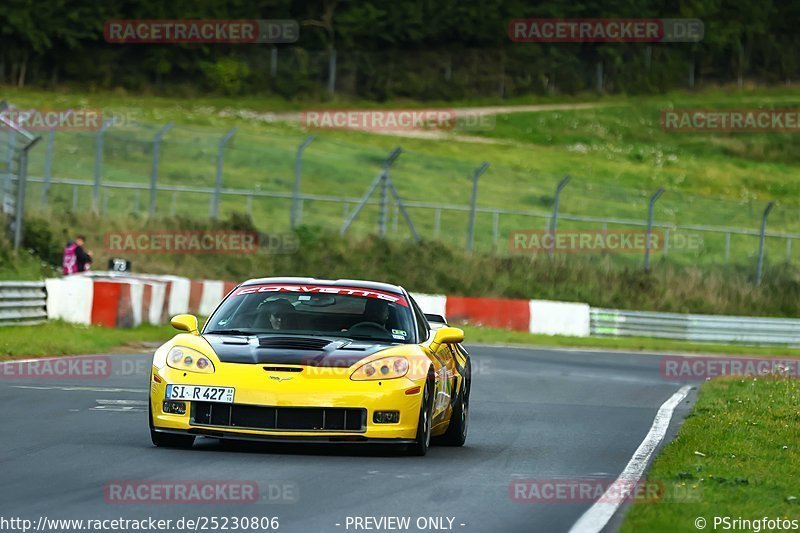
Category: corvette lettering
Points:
column 321, row 289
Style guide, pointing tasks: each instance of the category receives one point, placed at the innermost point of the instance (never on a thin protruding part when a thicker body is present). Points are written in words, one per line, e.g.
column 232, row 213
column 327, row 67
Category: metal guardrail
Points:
column 22, row 303
column 696, row 328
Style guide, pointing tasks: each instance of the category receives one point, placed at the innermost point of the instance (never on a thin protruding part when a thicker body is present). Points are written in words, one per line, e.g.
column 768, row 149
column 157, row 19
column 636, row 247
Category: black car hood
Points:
column 338, row 352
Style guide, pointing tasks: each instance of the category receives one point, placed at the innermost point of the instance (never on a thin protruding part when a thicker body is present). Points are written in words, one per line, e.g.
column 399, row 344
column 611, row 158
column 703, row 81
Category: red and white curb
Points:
column 115, row 300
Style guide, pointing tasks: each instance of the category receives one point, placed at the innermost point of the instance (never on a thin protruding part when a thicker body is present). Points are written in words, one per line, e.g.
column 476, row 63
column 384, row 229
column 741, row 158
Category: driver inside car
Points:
column 275, row 314
column 376, row 311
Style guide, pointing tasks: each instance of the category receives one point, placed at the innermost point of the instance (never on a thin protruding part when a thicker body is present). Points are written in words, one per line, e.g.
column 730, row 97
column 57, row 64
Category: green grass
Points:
column 617, row 155
column 59, row 338
column 747, row 432
column 484, row 335
column 23, row 265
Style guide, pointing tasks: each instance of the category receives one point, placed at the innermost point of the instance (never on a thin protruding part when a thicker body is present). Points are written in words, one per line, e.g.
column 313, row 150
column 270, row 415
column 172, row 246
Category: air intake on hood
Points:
column 293, row 343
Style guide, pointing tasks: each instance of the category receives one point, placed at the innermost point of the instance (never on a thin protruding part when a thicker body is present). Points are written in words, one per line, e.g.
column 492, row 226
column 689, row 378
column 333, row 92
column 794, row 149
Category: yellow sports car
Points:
column 309, row 360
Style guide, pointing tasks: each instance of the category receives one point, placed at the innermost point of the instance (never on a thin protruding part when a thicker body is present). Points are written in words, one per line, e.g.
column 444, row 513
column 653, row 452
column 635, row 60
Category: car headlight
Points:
column 385, row 368
column 189, row 360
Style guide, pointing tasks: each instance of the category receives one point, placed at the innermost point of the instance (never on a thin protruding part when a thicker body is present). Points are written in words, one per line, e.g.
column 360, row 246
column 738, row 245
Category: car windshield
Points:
column 350, row 312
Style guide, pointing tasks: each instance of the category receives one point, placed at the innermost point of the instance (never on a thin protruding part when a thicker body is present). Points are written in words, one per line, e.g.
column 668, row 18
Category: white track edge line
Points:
column 598, row 515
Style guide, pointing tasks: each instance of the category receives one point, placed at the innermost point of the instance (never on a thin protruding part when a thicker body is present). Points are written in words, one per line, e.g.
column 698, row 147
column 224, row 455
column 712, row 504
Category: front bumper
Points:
column 311, row 388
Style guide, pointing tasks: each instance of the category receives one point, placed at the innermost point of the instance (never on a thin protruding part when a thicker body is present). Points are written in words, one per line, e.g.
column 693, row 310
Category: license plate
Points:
column 200, row 393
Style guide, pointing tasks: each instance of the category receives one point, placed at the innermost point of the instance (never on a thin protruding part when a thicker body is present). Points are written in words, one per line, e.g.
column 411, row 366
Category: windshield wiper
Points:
column 368, row 338
column 229, row 332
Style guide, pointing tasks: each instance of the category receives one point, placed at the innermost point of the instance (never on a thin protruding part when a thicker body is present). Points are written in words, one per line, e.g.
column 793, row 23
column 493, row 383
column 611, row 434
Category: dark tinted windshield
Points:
column 315, row 310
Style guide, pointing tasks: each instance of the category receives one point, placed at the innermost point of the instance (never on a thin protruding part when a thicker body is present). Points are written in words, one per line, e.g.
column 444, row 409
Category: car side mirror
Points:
column 435, row 318
column 446, row 335
column 187, row 323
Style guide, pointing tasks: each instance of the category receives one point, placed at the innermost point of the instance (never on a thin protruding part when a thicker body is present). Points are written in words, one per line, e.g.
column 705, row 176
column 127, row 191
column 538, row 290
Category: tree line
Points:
column 382, row 49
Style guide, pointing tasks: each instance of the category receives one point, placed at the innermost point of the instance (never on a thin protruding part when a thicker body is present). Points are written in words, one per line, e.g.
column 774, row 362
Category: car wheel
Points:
column 169, row 440
column 456, row 434
column 423, row 439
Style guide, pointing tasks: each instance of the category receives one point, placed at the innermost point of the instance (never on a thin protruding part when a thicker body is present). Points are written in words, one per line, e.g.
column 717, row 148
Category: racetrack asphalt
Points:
column 535, row 414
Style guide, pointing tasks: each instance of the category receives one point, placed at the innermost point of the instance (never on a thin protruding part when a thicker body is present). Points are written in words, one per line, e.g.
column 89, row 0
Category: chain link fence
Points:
column 15, row 144
column 292, row 177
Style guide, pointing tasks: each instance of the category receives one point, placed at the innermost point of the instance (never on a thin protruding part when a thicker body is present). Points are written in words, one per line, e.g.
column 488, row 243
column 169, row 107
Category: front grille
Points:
column 279, row 418
column 293, row 343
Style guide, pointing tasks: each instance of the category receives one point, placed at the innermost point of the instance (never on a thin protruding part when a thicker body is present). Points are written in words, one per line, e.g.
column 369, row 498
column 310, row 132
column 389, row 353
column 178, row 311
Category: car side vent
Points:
column 292, row 343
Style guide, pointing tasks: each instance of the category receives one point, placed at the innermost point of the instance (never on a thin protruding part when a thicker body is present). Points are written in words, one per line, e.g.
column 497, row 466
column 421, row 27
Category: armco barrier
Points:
column 696, row 328
column 22, row 303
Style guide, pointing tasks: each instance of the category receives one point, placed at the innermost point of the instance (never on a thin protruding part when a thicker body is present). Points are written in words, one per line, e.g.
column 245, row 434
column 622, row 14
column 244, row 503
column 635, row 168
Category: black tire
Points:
column 423, row 438
column 169, row 440
column 456, row 434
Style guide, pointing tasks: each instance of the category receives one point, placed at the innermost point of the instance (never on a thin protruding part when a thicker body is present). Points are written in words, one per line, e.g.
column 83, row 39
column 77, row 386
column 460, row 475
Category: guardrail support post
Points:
column 650, row 209
column 218, row 183
column 474, row 204
column 554, row 222
column 154, row 173
column 761, row 239
column 294, row 216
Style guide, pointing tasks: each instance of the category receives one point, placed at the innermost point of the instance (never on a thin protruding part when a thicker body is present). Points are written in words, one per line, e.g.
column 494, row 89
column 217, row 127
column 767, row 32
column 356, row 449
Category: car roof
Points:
column 361, row 284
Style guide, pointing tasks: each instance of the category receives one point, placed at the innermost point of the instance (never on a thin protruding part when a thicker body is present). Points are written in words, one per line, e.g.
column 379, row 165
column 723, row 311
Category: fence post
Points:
column 727, row 246
column 650, row 209
column 154, row 173
column 474, row 204
column 220, row 160
column 48, row 165
column 554, row 221
column 8, row 187
column 383, row 181
column 760, row 268
column 383, row 215
column 495, row 229
column 98, row 163
column 294, row 218
column 788, row 249
column 19, row 209
column 437, row 222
